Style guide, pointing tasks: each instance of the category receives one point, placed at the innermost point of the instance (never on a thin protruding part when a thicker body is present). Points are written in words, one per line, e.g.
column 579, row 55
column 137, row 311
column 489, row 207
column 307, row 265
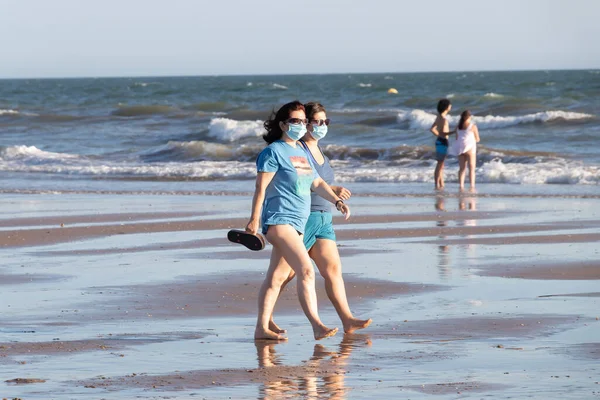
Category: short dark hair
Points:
column 443, row 105
column 313, row 108
column 271, row 125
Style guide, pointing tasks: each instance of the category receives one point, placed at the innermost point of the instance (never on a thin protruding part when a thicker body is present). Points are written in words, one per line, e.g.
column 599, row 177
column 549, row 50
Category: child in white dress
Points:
column 465, row 148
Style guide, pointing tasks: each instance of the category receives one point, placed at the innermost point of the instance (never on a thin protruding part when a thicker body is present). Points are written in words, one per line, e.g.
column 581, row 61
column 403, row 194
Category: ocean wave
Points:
column 278, row 86
column 229, row 130
column 32, row 153
column 210, row 161
column 365, row 85
column 492, row 172
column 9, row 112
column 202, row 151
column 419, row 119
column 140, row 110
column 16, row 113
column 493, row 95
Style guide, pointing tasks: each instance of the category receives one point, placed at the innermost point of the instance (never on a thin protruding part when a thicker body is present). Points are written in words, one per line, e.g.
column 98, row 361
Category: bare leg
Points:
column 326, row 256
column 272, row 325
column 268, row 294
column 472, row 162
column 439, row 175
column 292, row 249
column 462, row 161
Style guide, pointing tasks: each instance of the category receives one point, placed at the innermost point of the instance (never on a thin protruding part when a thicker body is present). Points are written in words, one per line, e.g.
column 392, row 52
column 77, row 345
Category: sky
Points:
column 94, row 38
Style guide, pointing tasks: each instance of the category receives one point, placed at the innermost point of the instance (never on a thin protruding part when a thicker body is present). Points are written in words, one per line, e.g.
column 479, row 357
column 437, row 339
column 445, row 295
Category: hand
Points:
column 344, row 209
column 252, row 226
column 342, row 192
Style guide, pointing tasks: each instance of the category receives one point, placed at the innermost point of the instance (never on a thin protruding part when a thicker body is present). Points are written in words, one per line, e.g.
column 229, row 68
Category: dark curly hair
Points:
column 271, row 125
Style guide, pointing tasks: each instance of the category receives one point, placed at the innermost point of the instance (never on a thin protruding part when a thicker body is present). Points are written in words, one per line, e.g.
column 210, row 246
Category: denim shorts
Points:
column 318, row 226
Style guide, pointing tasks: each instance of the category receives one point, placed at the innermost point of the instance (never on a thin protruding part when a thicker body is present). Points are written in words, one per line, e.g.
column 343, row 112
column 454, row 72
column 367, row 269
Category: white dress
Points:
column 465, row 141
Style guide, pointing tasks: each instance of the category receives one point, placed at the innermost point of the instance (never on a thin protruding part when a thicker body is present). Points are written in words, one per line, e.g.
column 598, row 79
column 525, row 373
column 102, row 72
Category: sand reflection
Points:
column 320, row 377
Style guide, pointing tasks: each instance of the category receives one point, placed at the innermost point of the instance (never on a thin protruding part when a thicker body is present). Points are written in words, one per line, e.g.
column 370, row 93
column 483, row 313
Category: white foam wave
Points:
column 278, row 86
column 554, row 171
column 557, row 172
column 32, row 153
column 493, row 95
column 419, row 119
column 9, row 112
column 365, row 85
column 209, row 170
column 230, row 130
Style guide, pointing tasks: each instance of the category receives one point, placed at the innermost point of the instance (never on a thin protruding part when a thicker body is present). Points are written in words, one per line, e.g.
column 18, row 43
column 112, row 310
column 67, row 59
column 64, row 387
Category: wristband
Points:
column 336, row 204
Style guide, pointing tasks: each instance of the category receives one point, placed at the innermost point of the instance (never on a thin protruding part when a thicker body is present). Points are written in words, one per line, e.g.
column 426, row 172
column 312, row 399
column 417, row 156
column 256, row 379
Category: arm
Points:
column 262, row 181
column 342, row 192
column 320, row 187
column 476, row 133
column 434, row 129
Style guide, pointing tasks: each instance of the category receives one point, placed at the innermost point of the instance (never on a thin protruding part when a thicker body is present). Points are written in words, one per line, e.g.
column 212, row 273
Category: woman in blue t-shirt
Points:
column 281, row 204
column 319, row 235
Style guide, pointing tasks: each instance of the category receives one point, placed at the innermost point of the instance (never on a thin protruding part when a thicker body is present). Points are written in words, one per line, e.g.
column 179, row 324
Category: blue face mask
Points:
column 296, row 131
column 319, row 132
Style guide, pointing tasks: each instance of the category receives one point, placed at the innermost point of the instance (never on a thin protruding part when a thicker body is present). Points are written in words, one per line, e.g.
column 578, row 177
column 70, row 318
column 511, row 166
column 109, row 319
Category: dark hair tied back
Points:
column 464, row 116
column 313, row 108
column 271, row 125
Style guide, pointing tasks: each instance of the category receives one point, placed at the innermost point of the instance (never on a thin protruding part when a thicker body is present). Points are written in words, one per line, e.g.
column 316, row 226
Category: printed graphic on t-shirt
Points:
column 305, row 174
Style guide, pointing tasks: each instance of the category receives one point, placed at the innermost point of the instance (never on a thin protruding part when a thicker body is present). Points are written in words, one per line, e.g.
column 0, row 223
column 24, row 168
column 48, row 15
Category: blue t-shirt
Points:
column 287, row 198
column 317, row 203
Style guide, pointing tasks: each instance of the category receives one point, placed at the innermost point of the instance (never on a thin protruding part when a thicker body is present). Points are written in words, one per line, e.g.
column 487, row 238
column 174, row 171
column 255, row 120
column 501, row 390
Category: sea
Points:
column 540, row 131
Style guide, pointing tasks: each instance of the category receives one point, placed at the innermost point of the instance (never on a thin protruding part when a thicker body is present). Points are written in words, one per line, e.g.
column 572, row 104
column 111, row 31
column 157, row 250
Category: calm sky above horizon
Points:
column 73, row 38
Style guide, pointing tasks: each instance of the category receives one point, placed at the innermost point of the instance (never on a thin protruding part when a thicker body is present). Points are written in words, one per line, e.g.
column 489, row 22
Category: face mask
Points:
column 319, row 132
column 296, row 131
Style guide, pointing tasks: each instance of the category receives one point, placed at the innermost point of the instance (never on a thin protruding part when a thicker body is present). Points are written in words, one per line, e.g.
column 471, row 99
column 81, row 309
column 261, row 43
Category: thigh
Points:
column 279, row 269
column 290, row 245
column 472, row 155
column 462, row 160
column 326, row 255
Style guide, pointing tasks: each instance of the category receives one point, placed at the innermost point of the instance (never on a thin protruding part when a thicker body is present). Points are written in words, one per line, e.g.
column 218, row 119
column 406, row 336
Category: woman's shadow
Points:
column 321, row 376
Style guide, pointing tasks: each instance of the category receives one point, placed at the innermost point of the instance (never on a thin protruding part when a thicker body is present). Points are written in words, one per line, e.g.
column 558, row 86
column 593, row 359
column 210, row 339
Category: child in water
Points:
column 441, row 129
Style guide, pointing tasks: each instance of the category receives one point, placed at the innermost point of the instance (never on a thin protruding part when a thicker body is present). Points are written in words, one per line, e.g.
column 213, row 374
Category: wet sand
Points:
column 160, row 304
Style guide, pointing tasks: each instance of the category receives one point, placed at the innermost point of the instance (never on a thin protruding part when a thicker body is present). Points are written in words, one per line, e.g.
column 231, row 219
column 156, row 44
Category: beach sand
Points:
column 105, row 296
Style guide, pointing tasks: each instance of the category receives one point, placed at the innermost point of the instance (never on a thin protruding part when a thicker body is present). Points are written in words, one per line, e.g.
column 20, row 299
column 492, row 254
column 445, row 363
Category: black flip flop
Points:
column 253, row 242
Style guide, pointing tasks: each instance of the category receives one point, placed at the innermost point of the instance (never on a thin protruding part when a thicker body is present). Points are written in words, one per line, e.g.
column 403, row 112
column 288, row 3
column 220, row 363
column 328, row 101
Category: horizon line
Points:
column 294, row 74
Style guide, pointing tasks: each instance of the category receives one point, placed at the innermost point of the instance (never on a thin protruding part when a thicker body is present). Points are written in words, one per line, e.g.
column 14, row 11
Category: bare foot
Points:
column 324, row 332
column 273, row 327
column 356, row 324
column 267, row 334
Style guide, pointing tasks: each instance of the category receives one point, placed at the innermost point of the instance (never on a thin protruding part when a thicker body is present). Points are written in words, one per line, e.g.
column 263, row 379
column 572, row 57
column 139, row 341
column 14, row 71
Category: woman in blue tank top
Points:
column 319, row 235
column 281, row 204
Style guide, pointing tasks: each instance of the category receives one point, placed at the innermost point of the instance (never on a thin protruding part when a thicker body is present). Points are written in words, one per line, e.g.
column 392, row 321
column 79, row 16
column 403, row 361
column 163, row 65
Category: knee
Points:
column 278, row 280
column 307, row 273
column 332, row 271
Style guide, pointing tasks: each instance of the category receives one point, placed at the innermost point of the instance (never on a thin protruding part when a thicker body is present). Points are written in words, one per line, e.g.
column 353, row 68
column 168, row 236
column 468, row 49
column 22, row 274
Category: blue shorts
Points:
column 441, row 151
column 318, row 226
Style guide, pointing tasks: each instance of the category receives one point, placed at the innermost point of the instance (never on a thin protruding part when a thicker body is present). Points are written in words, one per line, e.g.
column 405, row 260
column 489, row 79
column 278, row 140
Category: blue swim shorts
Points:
column 318, row 226
column 441, row 149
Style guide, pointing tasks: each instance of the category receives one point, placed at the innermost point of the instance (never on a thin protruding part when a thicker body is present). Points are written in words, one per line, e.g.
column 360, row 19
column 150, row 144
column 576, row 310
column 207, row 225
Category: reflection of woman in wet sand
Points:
column 319, row 235
column 322, row 374
column 281, row 204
